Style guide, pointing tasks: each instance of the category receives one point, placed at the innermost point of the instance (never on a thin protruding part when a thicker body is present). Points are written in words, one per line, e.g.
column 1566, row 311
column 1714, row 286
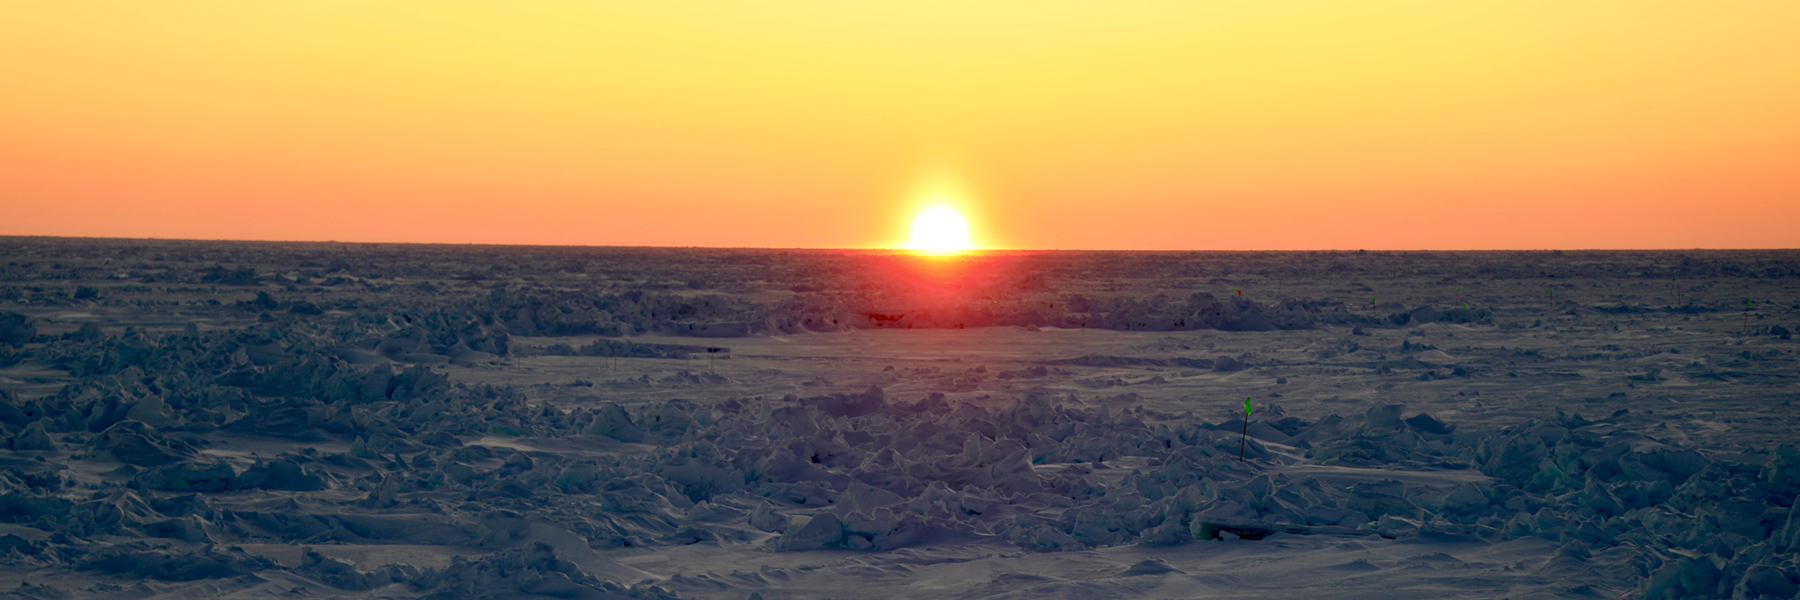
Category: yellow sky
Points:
column 1050, row 124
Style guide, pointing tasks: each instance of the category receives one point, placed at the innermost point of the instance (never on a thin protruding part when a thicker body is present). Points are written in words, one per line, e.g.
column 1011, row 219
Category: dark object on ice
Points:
column 638, row 350
column 1425, row 423
column 1211, row 531
column 264, row 301
column 89, row 332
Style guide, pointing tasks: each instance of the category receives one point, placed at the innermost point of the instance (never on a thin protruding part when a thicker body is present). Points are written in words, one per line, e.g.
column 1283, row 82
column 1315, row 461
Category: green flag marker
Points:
column 1246, row 435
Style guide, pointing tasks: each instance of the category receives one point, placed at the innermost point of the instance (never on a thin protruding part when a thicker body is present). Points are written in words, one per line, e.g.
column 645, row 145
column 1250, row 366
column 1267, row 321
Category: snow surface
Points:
column 186, row 419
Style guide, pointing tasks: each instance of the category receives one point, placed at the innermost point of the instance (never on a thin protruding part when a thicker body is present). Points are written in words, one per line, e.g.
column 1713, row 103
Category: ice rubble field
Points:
column 189, row 420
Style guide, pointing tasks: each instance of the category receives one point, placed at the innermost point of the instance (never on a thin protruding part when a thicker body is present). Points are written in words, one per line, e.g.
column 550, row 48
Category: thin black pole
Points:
column 1243, row 439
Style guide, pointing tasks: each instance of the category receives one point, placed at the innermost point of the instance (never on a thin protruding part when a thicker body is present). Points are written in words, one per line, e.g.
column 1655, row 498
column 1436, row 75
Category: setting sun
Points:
column 813, row 124
column 940, row 230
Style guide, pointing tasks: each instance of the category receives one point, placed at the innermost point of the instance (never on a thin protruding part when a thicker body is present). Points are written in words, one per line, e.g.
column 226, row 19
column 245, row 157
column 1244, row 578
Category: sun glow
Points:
column 940, row 230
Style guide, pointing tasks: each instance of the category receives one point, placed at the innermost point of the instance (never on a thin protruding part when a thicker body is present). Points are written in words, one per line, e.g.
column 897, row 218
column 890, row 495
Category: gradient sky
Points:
column 1189, row 124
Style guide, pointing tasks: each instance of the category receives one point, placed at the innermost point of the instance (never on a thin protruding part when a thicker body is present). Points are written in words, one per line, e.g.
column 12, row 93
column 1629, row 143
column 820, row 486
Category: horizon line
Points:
column 877, row 249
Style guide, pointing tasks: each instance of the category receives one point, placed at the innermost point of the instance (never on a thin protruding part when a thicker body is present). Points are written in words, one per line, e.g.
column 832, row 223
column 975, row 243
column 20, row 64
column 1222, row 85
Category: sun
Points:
column 940, row 230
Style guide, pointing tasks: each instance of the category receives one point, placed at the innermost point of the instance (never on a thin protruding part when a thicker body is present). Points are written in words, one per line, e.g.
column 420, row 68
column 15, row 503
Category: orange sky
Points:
column 1228, row 124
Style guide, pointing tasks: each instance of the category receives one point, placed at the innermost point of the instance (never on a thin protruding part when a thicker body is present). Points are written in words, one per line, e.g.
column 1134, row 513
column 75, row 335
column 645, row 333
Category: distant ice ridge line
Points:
column 547, row 312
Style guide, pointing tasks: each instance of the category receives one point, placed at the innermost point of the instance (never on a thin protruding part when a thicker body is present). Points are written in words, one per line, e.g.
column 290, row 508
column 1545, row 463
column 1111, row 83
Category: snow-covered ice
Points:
column 188, row 419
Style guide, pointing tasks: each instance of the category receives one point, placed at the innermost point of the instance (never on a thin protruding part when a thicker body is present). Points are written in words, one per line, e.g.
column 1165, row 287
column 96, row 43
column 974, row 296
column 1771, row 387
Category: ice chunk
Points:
column 1150, row 566
column 33, row 438
column 703, row 477
column 1764, row 581
column 1043, row 538
column 1386, row 416
column 1742, row 517
column 280, row 474
column 188, row 477
column 384, row 494
column 765, row 518
column 1597, row 497
column 16, row 328
column 1467, row 499
column 153, row 412
column 532, row 570
column 823, row 530
column 1206, row 523
column 872, row 523
column 1784, row 467
column 1379, row 498
column 175, row 566
column 134, row 443
column 861, row 497
column 1681, row 463
column 613, row 422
